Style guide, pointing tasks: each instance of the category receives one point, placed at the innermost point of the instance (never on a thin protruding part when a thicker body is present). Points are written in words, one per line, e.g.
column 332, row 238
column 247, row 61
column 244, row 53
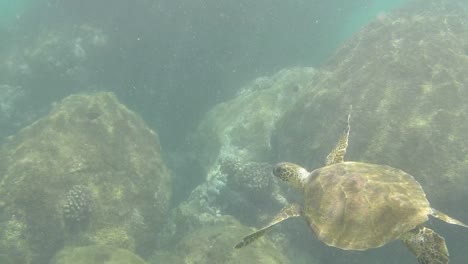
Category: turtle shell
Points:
column 356, row 206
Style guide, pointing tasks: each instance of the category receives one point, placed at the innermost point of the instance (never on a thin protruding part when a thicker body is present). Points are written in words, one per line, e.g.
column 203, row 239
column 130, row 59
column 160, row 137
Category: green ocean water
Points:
column 172, row 62
column 363, row 14
column 311, row 32
column 9, row 11
column 359, row 17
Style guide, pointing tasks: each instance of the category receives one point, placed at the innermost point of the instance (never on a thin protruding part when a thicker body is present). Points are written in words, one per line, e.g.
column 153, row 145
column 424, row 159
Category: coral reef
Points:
column 198, row 211
column 242, row 127
column 113, row 236
column 214, row 244
column 78, row 207
column 251, row 176
column 233, row 144
column 89, row 152
column 248, row 184
column 96, row 255
column 14, row 243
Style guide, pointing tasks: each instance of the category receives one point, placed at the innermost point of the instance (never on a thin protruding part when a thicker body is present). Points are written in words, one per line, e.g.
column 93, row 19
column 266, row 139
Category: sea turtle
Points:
column 357, row 206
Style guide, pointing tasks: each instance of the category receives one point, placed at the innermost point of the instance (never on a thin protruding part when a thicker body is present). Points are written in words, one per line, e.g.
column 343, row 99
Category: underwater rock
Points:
column 239, row 130
column 9, row 97
column 14, row 241
column 242, row 127
column 45, row 66
column 198, row 211
column 233, row 146
column 89, row 153
column 96, row 255
column 63, row 51
column 248, row 184
column 208, row 205
column 406, row 76
column 13, row 115
column 215, row 244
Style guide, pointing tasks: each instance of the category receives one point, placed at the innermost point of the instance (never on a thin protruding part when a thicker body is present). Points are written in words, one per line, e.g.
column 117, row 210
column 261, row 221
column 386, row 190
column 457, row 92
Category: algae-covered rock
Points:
column 233, row 146
column 248, row 185
column 242, row 127
column 45, row 66
column 10, row 95
column 65, row 54
column 96, row 255
column 406, row 77
column 90, row 172
column 215, row 244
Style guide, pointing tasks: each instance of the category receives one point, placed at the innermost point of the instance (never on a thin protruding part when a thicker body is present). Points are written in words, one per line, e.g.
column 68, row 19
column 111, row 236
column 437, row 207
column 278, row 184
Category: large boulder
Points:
column 406, row 77
column 233, row 145
column 242, row 127
column 90, row 172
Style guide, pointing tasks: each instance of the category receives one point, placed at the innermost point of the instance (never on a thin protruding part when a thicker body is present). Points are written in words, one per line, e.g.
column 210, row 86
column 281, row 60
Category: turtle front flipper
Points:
column 438, row 214
column 338, row 153
column 292, row 210
column 426, row 245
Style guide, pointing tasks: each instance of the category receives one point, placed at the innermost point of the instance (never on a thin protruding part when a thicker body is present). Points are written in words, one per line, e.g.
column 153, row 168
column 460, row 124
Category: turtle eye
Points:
column 281, row 171
column 276, row 171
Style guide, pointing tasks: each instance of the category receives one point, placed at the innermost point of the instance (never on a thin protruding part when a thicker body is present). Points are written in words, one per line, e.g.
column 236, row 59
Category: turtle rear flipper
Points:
column 428, row 246
column 438, row 214
column 292, row 210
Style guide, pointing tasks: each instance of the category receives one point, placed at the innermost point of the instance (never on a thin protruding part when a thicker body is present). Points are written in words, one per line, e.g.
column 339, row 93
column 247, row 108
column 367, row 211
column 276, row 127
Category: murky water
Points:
column 146, row 132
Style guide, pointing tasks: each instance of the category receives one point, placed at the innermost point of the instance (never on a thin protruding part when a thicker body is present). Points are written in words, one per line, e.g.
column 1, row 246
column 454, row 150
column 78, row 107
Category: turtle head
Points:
column 291, row 173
